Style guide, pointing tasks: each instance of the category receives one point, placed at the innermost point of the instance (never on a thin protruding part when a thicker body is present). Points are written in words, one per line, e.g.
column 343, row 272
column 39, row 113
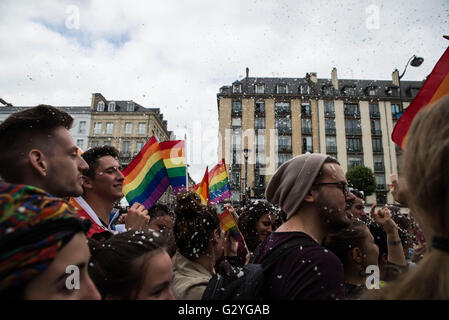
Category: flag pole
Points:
column 187, row 172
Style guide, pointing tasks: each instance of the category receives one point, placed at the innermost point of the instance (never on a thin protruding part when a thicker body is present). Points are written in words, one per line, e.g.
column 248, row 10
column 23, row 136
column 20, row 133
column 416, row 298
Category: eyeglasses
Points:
column 110, row 170
column 344, row 186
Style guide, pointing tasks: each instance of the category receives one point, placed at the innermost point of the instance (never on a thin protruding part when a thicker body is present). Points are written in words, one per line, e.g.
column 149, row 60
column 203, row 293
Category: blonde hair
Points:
column 426, row 168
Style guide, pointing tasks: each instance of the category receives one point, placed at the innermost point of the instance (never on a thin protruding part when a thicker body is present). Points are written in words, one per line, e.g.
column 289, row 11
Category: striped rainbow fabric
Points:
column 146, row 178
column 173, row 153
column 227, row 222
column 435, row 87
column 202, row 188
column 219, row 188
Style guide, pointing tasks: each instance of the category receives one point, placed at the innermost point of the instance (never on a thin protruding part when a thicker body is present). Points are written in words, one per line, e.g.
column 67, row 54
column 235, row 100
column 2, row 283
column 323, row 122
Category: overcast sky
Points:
column 175, row 55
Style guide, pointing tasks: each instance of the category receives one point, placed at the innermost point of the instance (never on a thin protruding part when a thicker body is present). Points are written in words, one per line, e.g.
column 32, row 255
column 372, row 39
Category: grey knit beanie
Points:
column 291, row 182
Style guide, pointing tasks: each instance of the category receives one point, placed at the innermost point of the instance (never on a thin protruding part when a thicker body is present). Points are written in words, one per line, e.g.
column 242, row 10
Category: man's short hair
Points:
column 160, row 210
column 92, row 155
column 25, row 130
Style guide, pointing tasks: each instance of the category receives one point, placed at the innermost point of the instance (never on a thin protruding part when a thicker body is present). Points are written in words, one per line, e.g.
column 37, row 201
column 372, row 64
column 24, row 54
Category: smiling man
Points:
column 37, row 149
column 102, row 184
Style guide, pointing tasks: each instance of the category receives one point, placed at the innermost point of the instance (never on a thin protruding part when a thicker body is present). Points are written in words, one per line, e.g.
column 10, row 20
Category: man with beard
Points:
column 312, row 190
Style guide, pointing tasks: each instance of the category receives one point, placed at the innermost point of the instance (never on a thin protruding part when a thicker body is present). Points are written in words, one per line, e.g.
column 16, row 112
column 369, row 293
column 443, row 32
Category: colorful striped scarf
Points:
column 34, row 226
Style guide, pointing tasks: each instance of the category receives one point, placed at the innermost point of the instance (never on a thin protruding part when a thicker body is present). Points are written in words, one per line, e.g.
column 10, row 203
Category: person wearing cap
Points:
column 43, row 248
column 312, row 190
column 38, row 150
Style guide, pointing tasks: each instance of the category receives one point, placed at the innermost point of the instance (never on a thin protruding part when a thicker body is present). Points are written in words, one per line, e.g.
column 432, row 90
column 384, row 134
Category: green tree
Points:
column 362, row 178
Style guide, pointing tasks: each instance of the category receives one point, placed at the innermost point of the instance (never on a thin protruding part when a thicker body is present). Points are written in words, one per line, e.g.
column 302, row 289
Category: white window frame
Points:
column 111, row 106
column 130, row 127
column 130, row 106
column 82, row 127
column 97, row 128
column 100, row 106
column 109, row 127
column 142, row 128
column 260, row 88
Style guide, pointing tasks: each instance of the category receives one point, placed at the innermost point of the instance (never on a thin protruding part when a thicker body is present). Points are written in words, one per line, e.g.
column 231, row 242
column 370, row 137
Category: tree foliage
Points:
column 362, row 178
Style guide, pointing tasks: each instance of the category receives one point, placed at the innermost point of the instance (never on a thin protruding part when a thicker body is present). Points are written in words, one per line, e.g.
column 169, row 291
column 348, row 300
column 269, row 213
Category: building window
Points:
column 111, row 106
column 94, row 144
column 80, row 143
column 126, row 148
column 328, row 90
column 331, row 145
column 236, row 107
column 281, row 88
column 307, row 144
column 260, row 159
column 330, row 126
column 130, row 106
column 306, row 111
column 237, row 88
column 107, row 143
column 259, row 107
column 283, row 125
column 354, row 161
column 285, row 143
column 304, row 89
column 97, row 128
column 283, row 157
column 260, row 140
column 396, row 111
column 142, row 128
column 259, row 123
column 375, row 127
column 82, row 127
column 100, row 106
column 377, row 145
column 236, row 122
column 109, row 126
column 353, row 145
column 260, row 88
column 380, row 181
column 372, row 91
column 282, row 107
column 379, row 163
column 329, row 109
column 393, row 92
column 306, row 126
column 139, row 146
column 351, row 110
column 349, row 91
column 353, row 126
column 235, row 179
column 374, row 110
column 128, row 128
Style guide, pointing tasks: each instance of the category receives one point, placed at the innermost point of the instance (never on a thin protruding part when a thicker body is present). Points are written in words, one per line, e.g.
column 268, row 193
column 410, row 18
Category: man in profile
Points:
column 37, row 149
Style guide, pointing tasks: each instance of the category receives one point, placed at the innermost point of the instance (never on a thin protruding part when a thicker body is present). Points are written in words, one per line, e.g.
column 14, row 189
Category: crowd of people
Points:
column 61, row 236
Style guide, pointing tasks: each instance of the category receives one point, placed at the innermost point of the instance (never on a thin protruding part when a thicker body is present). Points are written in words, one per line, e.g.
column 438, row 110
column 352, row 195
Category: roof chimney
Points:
column 247, row 75
column 313, row 77
column 334, row 78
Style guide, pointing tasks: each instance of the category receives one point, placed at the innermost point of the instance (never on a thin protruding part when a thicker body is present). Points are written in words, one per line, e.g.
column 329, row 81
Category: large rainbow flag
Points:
column 146, row 178
column 219, row 188
column 202, row 188
column 173, row 153
column 435, row 87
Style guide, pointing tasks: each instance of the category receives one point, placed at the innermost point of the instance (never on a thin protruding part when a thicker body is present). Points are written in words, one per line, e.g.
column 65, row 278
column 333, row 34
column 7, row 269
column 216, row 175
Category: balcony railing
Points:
column 331, row 149
column 306, row 113
column 352, row 149
column 284, row 130
column 354, row 132
column 329, row 114
column 379, row 167
column 285, row 148
column 352, row 114
column 306, row 130
column 331, row 131
column 376, row 132
column 378, row 150
column 375, row 115
column 236, row 112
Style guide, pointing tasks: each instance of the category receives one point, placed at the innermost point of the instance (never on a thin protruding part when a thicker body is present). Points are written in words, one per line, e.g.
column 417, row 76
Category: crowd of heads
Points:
column 167, row 254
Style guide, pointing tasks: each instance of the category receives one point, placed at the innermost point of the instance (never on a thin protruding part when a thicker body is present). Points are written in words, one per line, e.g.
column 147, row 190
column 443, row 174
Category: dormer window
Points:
column 260, row 88
column 130, row 106
column 100, row 106
column 111, row 106
column 327, row 90
column 392, row 91
column 237, row 88
column 281, row 88
column 304, row 89
column 372, row 91
column 349, row 91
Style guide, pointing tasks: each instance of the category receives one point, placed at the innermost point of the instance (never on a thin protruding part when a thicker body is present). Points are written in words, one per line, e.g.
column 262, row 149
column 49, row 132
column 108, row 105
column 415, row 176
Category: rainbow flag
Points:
column 227, row 222
column 435, row 87
column 202, row 188
column 219, row 188
column 173, row 153
column 146, row 178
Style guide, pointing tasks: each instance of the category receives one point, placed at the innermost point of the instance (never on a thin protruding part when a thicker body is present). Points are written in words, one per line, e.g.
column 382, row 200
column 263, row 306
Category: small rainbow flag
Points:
column 146, row 178
column 173, row 153
column 435, row 87
column 227, row 222
column 219, row 188
column 202, row 188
